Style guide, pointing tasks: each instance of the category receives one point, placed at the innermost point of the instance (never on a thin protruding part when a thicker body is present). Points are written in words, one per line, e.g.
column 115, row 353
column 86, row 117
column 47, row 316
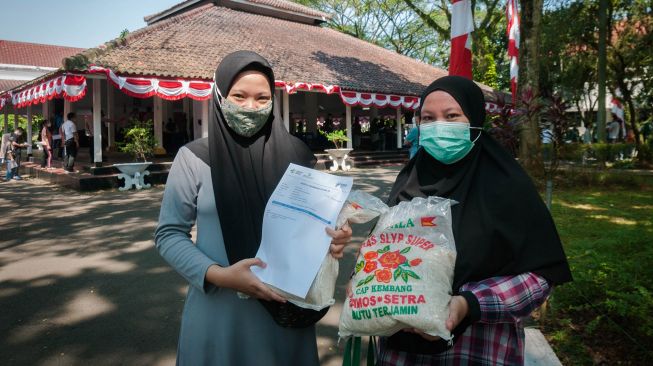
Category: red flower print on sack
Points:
column 370, row 255
column 370, row 267
column 383, row 275
column 415, row 262
column 392, row 259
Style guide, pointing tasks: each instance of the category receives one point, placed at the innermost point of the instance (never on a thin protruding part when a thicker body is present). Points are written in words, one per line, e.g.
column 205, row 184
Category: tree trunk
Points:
column 633, row 118
column 529, row 70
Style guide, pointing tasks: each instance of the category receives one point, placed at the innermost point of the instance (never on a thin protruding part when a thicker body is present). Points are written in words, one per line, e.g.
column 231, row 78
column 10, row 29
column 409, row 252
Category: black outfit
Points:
column 71, row 154
column 246, row 170
column 18, row 152
column 500, row 224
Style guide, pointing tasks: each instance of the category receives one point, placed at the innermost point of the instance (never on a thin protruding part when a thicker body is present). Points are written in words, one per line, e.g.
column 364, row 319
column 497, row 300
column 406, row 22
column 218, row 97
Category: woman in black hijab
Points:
column 223, row 183
column 509, row 253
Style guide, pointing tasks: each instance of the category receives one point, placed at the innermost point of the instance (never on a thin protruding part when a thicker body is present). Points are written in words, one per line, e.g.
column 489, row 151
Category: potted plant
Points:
column 140, row 142
column 338, row 155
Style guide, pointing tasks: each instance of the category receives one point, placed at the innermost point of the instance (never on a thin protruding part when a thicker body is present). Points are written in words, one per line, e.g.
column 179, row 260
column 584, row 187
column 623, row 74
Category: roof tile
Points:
column 34, row 54
column 191, row 45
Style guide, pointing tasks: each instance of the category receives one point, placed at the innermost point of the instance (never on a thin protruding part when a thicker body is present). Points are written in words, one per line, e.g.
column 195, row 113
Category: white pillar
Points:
column 158, row 125
column 348, row 125
column 97, row 122
column 6, row 113
column 111, row 138
column 29, row 130
column 205, row 118
column 277, row 96
column 399, row 134
column 67, row 108
column 15, row 119
column 46, row 110
column 286, row 110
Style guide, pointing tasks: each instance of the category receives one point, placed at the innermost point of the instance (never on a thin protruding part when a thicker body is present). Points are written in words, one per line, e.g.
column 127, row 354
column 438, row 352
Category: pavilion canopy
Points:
column 176, row 55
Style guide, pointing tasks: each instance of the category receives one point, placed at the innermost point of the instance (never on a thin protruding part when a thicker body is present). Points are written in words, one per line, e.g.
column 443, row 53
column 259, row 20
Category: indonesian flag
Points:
column 462, row 24
column 513, row 46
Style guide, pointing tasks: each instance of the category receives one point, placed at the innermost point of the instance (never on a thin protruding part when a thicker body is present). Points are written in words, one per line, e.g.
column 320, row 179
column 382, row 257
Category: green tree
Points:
column 488, row 38
column 630, row 61
column 569, row 54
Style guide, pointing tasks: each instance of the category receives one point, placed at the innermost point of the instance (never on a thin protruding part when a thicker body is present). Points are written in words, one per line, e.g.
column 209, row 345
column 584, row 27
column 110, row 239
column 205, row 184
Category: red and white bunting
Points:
column 4, row 99
column 140, row 87
column 73, row 88
column 462, row 24
column 68, row 86
column 513, row 46
column 292, row 88
column 353, row 98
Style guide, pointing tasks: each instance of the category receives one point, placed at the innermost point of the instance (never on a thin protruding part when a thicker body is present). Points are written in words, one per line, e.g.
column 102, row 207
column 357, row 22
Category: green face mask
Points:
column 448, row 142
column 245, row 121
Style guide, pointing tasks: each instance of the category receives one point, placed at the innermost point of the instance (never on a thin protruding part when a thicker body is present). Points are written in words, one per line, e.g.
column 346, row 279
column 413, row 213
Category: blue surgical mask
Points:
column 447, row 142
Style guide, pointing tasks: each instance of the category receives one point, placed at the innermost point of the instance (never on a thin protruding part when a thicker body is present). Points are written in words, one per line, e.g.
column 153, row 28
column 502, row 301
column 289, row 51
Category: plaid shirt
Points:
column 496, row 336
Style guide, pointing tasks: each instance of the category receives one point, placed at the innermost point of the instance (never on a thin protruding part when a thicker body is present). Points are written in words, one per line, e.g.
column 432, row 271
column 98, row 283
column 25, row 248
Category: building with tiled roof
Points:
column 190, row 39
column 22, row 61
column 165, row 71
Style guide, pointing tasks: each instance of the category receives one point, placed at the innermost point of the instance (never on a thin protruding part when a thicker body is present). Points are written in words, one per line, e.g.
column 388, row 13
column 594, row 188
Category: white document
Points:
column 294, row 241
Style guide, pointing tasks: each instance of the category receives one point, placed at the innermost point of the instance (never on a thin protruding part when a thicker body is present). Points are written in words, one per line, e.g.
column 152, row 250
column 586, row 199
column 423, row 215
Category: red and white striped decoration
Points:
column 462, row 24
column 292, row 88
column 353, row 98
column 71, row 87
column 513, row 46
column 4, row 99
column 140, row 87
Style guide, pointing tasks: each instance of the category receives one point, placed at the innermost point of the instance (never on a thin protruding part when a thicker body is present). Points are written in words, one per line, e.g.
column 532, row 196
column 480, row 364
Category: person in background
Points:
column 46, row 142
column 412, row 139
column 14, row 152
column 7, row 156
column 613, row 130
column 68, row 131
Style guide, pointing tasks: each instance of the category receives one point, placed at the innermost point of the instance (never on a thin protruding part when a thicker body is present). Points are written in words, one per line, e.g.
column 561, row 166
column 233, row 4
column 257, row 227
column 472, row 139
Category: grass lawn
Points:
column 606, row 315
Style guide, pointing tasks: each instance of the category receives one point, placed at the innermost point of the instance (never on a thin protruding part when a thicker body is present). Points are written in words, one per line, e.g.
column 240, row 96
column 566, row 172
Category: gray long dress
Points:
column 217, row 327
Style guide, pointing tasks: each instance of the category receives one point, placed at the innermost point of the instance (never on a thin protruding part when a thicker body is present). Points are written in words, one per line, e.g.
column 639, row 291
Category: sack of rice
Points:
column 404, row 273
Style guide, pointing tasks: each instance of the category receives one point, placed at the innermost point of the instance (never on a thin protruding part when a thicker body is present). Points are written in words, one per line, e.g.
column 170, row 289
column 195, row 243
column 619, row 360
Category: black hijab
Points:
column 500, row 224
column 246, row 170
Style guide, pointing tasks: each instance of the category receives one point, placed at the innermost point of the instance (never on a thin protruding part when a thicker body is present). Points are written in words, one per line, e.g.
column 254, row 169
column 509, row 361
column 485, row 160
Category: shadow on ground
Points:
column 81, row 284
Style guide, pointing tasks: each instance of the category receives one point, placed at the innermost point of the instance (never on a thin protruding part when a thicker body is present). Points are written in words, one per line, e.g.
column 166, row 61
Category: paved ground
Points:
column 81, row 284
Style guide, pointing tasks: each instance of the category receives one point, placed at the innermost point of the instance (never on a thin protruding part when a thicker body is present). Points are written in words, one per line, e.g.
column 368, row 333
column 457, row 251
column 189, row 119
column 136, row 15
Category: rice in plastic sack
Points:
column 404, row 273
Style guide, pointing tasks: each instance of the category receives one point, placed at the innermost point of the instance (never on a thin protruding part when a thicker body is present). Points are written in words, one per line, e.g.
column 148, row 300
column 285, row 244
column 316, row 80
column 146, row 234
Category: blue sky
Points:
column 75, row 23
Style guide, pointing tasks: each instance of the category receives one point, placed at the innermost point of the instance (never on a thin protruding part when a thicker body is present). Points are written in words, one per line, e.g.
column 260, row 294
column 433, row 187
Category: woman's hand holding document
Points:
column 294, row 242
